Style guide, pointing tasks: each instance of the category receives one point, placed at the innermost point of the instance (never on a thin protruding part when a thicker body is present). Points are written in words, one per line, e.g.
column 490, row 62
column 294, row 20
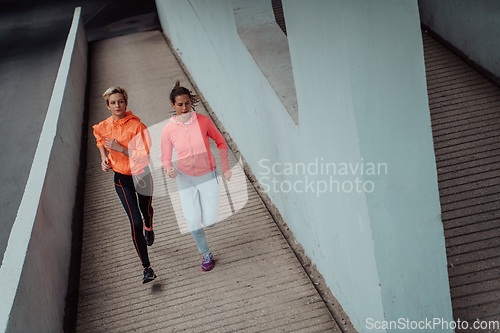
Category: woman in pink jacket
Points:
column 196, row 174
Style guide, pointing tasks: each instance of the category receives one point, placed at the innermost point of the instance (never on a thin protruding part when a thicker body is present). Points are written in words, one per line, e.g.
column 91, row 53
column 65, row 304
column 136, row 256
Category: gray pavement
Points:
column 32, row 39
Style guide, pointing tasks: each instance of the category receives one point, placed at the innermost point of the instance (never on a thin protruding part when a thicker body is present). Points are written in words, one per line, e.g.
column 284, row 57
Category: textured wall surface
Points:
column 34, row 272
column 472, row 27
column 355, row 180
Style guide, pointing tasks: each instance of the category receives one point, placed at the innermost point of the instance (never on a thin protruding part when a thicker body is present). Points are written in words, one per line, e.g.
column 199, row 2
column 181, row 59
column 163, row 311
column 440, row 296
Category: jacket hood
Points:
column 194, row 118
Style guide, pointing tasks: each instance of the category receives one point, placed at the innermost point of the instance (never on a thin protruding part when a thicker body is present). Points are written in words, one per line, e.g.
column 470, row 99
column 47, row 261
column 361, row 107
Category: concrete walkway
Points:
column 465, row 113
column 257, row 283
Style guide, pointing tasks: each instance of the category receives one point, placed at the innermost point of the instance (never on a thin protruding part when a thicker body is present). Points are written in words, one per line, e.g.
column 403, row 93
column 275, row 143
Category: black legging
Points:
column 128, row 193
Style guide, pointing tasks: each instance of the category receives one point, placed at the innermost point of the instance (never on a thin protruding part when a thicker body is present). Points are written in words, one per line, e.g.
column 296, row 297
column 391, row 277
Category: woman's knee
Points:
column 137, row 225
column 210, row 218
column 210, row 225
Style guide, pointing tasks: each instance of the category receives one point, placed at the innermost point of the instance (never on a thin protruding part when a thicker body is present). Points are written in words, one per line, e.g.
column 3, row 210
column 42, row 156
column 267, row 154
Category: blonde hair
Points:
column 115, row 90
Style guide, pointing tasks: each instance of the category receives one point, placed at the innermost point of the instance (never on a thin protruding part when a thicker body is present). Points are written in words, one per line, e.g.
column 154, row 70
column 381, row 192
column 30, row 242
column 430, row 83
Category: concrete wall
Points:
column 34, row 271
column 473, row 27
column 359, row 75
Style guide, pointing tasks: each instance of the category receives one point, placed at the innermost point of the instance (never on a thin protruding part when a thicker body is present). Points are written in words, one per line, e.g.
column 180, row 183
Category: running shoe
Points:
column 149, row 236
column 208, row 262
column 149, row 275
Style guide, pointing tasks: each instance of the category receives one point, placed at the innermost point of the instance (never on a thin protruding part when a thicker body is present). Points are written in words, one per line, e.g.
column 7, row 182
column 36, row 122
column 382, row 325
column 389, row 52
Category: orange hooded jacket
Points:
column 130, row 133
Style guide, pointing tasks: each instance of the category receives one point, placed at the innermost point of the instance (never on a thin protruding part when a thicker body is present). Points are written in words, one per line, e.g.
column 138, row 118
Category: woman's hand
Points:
column 105, row 164
column 228, row 175
column 112, row 144
column 171, row 172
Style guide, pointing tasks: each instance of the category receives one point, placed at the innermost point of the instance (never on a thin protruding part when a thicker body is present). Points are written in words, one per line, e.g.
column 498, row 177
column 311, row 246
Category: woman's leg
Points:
column 190, row 201
column 124, row 186
column 144, row 188
column 209, row 193
column 201, row 241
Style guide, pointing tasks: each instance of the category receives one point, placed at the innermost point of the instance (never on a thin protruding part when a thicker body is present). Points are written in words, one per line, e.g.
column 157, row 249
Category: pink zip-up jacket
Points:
column 192, row 144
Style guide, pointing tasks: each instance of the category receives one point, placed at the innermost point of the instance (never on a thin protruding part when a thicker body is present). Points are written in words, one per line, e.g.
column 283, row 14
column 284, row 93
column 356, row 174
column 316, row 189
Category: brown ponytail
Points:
column 178, row 91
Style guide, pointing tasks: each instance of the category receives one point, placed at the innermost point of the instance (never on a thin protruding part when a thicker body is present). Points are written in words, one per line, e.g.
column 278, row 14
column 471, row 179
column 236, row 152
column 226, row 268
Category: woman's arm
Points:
column 214, row 133
column 98, row 129
column 112, row 144
column 104, row 159
column 139, row 146
column 166, row 154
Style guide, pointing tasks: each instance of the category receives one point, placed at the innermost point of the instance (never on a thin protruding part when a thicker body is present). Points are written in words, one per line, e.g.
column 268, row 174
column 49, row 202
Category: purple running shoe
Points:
column 207, row 263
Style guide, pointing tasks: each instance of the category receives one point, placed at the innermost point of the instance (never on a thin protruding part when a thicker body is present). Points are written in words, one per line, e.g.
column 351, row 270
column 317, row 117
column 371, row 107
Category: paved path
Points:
column 257, row 283
column 465, row 113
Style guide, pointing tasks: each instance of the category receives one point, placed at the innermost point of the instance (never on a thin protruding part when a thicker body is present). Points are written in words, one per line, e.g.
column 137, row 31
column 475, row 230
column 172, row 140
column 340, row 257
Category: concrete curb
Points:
column 33, row 275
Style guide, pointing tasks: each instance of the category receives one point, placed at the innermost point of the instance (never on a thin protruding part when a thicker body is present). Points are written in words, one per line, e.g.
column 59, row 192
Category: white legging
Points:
column 200, row 198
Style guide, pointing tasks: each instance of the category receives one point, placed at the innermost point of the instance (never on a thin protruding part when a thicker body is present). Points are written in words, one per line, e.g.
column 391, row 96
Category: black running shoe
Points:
column 149, row 236
column 149, row 275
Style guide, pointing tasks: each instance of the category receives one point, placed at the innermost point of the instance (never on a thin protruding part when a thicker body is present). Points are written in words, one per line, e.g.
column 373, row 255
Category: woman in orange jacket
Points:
column 124, row 144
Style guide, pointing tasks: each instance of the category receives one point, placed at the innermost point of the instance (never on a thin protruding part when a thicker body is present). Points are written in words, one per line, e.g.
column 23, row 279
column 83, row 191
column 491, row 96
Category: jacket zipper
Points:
column 190, row 146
